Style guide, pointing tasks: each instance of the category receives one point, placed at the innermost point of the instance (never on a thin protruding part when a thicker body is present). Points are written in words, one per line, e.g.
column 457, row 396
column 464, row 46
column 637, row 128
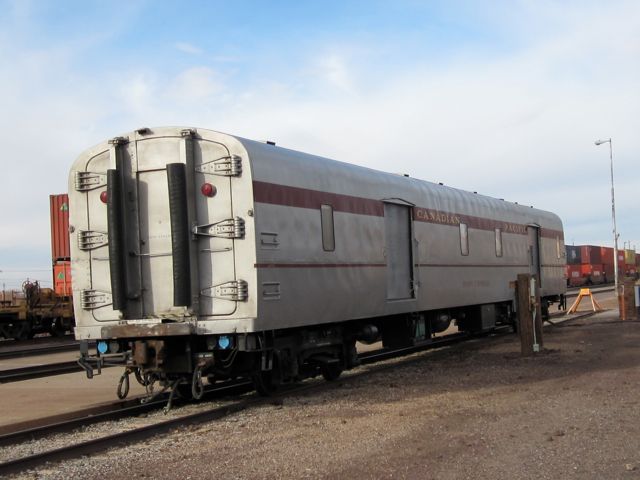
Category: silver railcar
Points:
column 196, row 253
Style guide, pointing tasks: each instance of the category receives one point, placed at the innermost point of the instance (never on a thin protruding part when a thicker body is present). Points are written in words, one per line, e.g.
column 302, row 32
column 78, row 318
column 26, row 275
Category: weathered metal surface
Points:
column 151, row 330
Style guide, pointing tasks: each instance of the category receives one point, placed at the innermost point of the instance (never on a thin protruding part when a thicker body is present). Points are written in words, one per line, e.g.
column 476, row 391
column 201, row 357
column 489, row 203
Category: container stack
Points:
column 585, row 265
column 574, row 261
column 593, row 265
column 60, row 252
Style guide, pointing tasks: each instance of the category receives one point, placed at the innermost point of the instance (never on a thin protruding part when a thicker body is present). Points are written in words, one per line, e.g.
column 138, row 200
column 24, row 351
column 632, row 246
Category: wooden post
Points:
column 628, row 300
column 528, row 304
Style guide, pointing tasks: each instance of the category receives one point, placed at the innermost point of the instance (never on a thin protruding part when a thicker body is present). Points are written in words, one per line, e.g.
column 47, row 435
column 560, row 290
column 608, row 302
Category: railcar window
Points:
column 558, row 246
column 464, row 239
column 328, row 237
column 498, row 242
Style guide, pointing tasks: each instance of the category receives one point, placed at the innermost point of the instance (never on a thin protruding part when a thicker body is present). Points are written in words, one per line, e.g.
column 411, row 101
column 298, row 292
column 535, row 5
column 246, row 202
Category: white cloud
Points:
column 195, row 84
column 518, row 125
column 334, row 70
column 138, row 92
column 188, row 48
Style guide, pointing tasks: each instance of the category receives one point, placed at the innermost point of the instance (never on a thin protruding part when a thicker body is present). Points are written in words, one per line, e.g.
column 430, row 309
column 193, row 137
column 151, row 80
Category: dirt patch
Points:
column 478, row 410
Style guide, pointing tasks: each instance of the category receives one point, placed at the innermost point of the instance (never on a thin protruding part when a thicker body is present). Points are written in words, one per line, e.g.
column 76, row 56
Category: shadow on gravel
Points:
column 570, row 350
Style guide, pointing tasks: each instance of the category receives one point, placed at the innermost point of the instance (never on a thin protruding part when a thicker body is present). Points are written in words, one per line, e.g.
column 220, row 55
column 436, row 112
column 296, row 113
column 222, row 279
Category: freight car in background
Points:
column 200, row 254
column 35, row 310
column 593, row 265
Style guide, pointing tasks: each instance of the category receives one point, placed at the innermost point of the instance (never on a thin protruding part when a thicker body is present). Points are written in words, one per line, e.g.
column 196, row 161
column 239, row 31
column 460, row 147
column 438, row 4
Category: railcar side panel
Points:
column 443, row 276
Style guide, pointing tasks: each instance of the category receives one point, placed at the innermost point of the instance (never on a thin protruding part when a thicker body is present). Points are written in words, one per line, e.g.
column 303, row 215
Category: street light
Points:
column 613, row 216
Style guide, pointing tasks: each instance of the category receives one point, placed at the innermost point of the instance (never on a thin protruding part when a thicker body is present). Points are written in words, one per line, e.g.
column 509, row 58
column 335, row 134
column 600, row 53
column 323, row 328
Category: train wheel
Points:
column 57, row 329
column 184, row 389
column 267, row 382
column 21, row 331
column 331, row 372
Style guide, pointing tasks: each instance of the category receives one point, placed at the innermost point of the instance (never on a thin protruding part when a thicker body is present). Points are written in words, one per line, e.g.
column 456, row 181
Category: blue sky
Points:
column 503, row 98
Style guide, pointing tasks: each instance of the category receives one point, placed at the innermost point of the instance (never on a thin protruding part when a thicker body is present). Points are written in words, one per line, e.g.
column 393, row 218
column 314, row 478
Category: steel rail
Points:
column 115, row 411
column 35, row 340
column 121, row 438
column 38, row 350
column 37, row 371
column 574, row 291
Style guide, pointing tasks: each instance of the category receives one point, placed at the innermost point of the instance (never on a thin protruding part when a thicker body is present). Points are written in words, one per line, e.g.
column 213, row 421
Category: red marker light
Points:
column 104, row 196
column 208, row 190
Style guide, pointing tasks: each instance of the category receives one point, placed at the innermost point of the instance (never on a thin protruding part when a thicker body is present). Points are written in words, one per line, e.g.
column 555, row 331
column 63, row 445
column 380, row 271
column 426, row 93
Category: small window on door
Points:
column 328, row 236
column 464, row 239
column 498, row 242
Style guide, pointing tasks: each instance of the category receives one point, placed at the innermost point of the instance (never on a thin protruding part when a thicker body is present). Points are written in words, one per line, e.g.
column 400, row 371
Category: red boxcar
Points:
column 594, row 273
column 59, row 206
column 574, row 276
column 606, row 255
column 627, row 262
column 62, row 278
column 585, row 274
column 590, row 254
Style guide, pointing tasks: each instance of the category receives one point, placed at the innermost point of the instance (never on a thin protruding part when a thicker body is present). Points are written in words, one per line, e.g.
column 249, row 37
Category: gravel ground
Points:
column 478, row 410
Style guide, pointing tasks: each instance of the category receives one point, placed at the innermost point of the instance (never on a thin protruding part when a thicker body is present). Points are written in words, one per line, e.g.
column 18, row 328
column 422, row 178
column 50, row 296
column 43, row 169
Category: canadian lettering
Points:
column 445, row 218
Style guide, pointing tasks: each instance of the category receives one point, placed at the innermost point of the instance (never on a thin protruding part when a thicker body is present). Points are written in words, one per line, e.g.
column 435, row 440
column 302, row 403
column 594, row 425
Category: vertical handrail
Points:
column 115, row 232
column 180, row 236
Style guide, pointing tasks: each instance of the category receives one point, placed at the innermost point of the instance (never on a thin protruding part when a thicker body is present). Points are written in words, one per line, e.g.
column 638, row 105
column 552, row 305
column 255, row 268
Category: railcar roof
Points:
column 324, row 174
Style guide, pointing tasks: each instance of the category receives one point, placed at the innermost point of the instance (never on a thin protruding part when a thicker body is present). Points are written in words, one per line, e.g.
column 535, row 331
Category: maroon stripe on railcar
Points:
column 274, row 194
column 318, row 265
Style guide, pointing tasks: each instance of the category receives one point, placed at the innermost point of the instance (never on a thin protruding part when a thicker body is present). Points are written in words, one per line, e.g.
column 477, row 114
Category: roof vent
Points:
column 271, row 142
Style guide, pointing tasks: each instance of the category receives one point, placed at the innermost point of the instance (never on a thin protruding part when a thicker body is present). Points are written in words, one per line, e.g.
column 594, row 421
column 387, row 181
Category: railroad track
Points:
column 94, row 445
column 573, row 292
column 35, row 341
column 115, row 411
column 37, row 371
column 17, row 352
